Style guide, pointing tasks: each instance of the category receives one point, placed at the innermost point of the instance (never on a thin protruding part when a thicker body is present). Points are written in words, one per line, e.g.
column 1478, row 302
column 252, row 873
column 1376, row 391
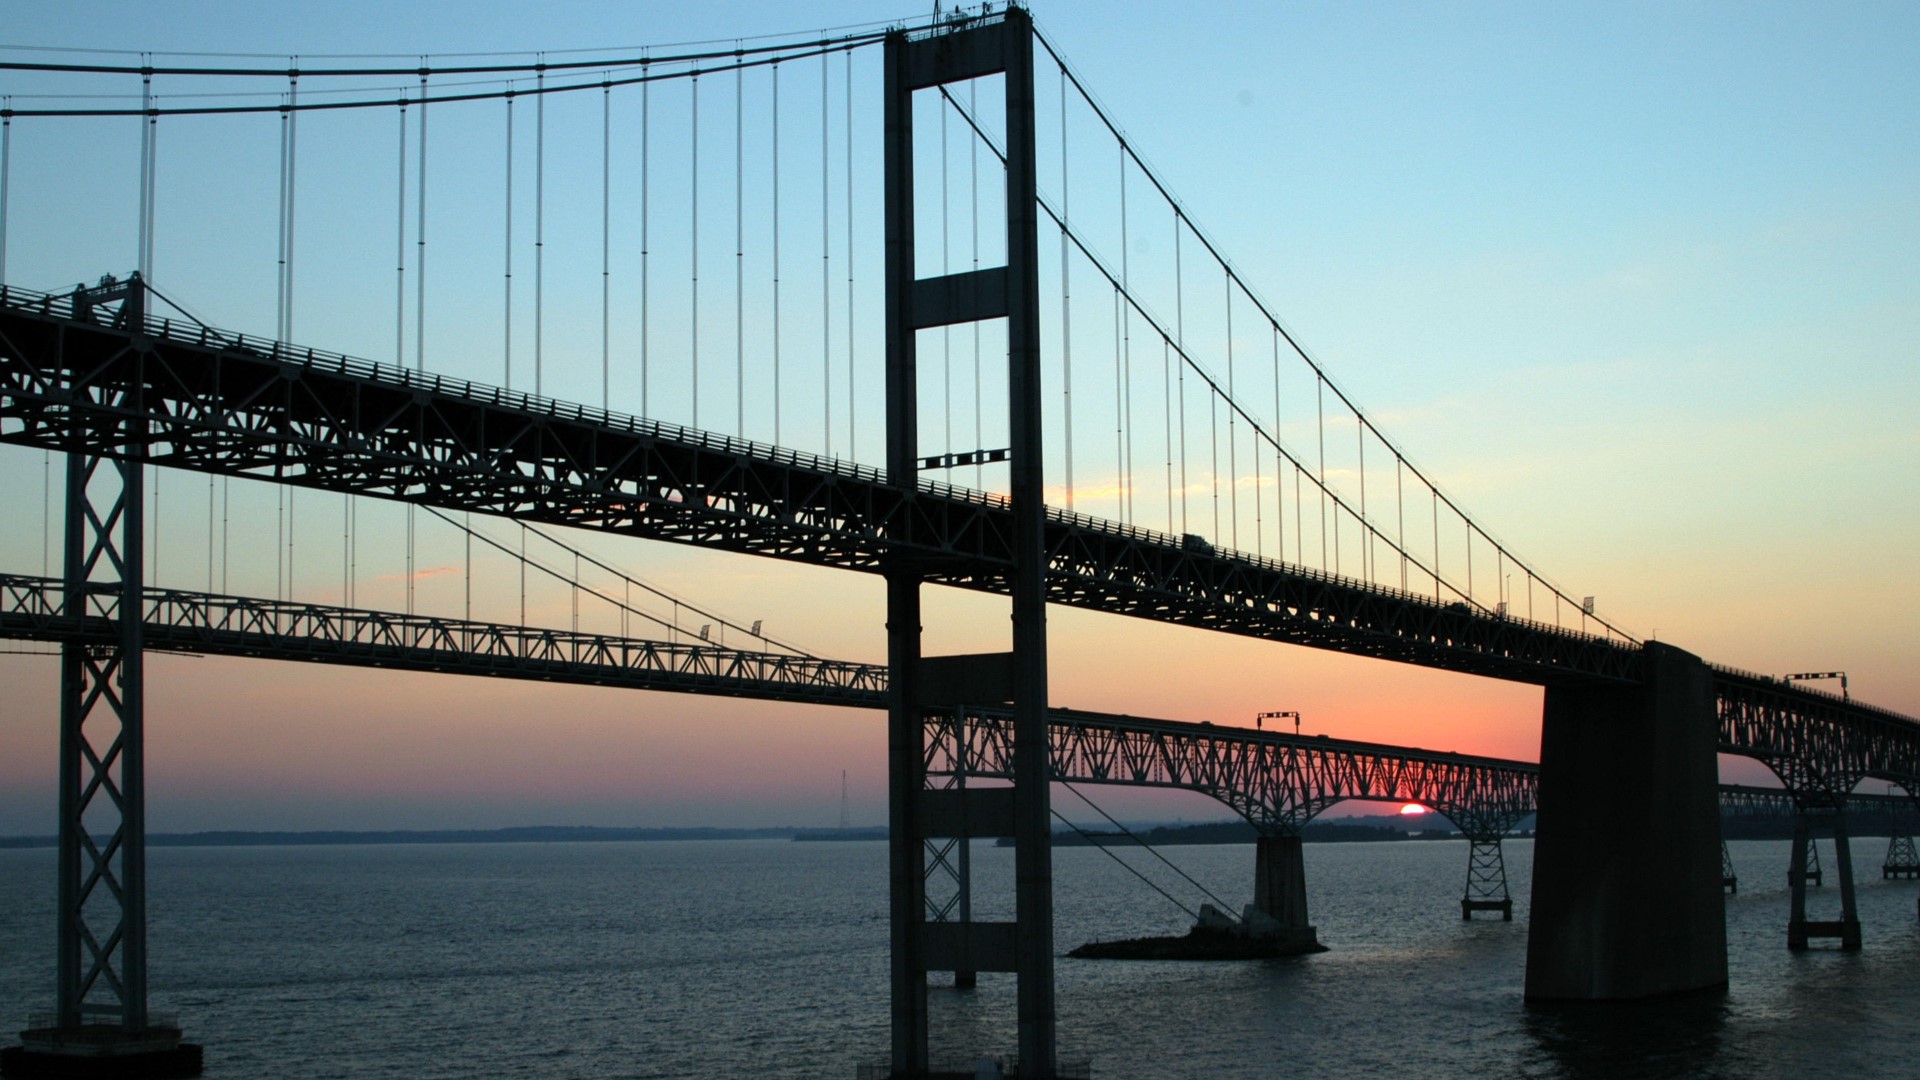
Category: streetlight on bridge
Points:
column 1260, row 719
column 1806, row 675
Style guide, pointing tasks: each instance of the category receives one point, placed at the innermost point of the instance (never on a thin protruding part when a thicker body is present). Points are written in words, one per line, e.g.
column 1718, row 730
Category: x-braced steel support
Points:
column 956, row 52
column 102, row 936
column 1902, row 860
column 1486, row 879
column 100, row 985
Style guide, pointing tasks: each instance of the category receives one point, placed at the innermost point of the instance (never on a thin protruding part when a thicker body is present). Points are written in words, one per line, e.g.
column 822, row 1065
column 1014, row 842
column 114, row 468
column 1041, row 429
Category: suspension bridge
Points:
column 1228, row 482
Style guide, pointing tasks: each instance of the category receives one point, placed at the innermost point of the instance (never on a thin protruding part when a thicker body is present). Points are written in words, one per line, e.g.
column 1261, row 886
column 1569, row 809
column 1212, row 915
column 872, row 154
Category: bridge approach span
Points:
column 1275, row 781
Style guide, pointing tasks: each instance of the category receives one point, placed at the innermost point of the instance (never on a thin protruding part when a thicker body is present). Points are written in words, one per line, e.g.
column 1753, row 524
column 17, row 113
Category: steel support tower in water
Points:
column 100, row 1025
column 929, row 62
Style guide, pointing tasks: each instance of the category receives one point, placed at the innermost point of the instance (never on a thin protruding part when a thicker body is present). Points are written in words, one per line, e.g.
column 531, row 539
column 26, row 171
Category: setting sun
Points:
column 1413, row 808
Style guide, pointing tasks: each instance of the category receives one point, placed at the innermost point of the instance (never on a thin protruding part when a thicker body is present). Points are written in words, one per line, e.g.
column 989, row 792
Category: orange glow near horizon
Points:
column 1412, row 809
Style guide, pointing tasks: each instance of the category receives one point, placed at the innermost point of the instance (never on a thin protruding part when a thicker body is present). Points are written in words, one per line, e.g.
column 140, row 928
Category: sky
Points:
column 1637, row 284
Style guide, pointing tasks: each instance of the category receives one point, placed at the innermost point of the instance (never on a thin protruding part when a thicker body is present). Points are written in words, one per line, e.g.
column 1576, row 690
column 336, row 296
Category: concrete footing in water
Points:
column 1280, row 892
column 100, row 1052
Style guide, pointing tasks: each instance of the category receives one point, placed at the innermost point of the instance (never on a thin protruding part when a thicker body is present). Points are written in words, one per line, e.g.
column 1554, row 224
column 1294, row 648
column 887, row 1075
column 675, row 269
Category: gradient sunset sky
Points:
column 1638, row 283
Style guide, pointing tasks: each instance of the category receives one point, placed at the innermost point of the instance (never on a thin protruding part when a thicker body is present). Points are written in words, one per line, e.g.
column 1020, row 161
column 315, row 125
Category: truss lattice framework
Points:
column 181, row 621
column 101, row 941
column 1277, row 782
column 1819, row 745
column 35, row 608
column 229, row 404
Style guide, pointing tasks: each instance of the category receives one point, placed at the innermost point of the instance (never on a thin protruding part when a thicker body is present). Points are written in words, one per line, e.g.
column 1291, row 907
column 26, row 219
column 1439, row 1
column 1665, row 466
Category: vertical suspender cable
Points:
column 946, row 267
column 419, row 303
column 1126, row 354
column 280, row 232
column 1366, row 528
column 694, row 324
column 280, row 329
column 293, row 171
column 739, row 253
column 1119, row 359
column 144, row 247
column 973, row 172
column 506, row 254
column 149, row 121
column 1180, row 335
column 1233, row 430
column 539, row 224
column 606, row 239
column 1279, row 469
column 1435, row 493
column 1320, row 405
column 1213, row 446
column 1466, row 527
column 1166, row 417
column 400, row 249
column 853, row 445
column 1066, row 299
column 646, row 187
column 6, row 169
column 420, row 239
column 1400, row 504
column 826, row 264
column 775, row 103
column 400, row 305
column 1259, row 521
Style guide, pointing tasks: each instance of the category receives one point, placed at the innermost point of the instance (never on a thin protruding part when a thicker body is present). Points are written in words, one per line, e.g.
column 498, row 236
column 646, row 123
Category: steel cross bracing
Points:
column 1820, row 745
column 235, row 405
column 1742, row 802
column 1277, row 782
column 181, row 621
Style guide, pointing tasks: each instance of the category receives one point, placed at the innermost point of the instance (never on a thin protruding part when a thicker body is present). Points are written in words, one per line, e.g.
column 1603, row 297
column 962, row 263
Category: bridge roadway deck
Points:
column 186, row 396
column 1273, row 779
column 182, row 395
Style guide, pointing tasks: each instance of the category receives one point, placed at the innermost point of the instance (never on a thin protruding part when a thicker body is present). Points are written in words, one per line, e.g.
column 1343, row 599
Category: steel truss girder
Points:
column 241, row 406
column 1277, row 782
column 34, row 608
column 182, row 621
column 1820, row 746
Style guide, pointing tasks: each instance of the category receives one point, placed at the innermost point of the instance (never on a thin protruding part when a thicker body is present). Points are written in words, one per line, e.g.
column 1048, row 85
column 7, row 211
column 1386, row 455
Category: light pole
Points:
column 1260, row 719
column 1806, row 675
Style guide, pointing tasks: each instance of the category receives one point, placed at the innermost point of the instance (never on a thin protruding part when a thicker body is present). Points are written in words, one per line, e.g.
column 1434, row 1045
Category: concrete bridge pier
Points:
column 1627, row 899
column 1799, row 928
column 1280, row 892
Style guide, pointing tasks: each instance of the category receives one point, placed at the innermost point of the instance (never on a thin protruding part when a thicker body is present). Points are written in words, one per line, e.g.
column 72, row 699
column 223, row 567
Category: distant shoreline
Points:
column 536, row 834
column 1204, row 833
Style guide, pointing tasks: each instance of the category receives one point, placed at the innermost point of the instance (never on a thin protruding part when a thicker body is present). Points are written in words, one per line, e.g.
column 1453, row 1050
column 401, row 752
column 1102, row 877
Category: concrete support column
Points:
column 1280, row 892
column 1280, row 881
column 1627, row 899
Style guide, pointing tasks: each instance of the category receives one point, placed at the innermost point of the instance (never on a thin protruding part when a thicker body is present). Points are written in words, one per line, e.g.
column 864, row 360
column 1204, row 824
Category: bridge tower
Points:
column 927, row 61
column 100, row 1011
column 1599, row 931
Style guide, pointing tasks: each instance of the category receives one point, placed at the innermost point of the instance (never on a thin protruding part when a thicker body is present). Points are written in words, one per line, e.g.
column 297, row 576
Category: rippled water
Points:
column 769, row 959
